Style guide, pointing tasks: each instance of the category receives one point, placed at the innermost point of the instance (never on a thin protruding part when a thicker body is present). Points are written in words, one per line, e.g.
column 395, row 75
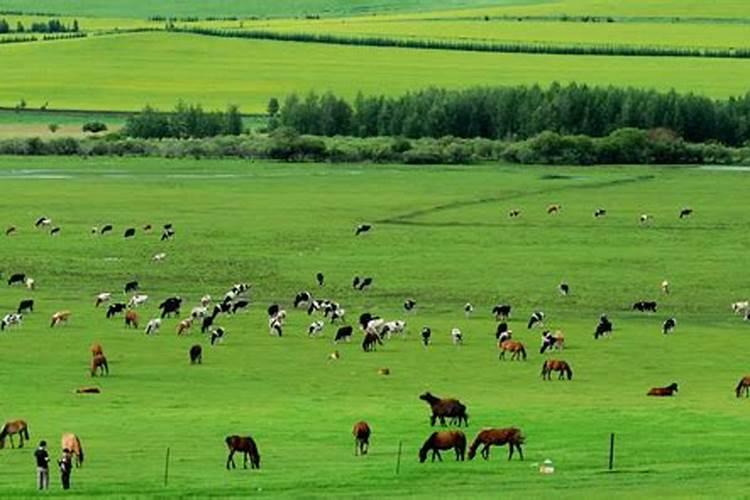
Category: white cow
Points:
column 137, row 300
column 457, row 336
column 741, row 307
column 152, row 327
column 102, row 298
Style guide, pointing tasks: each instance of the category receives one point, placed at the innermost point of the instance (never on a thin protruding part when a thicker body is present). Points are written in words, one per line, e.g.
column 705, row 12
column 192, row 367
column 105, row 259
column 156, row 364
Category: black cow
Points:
column 116, row 308
column 106, row 229
column 320, row 279
column 501, row 311
column 362, row 228
column 208, row 321
column 410, row 304
column 131, row 286
column 240, row 304
column 196, row 354
column 273, row 310
column 16, row 278
column 604, row 327
column 129, row 232
column 365, row 283
column 645, row 306
column 686, row 212
column 170, row 306
column 26, row 306
column 344, row 333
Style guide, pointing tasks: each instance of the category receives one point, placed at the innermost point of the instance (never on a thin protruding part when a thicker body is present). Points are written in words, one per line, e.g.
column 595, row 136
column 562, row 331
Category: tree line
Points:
column 520, row 112
column 185, row 121
column 50, row 26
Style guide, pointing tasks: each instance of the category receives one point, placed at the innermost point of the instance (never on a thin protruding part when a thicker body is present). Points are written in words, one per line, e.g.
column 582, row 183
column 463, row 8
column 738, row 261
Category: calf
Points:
column 315, row 328
column 26, row 305
column 184, row 326
column 343, row 333
column 115, row 309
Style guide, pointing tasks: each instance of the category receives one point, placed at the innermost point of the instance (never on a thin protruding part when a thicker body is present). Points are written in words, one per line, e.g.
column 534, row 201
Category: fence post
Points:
column 398, row 458
column 166, row 469
column 611, row 451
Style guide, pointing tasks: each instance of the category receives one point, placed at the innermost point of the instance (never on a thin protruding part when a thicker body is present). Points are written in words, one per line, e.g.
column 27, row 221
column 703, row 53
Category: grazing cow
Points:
column 445, row 408
column 217, row 335
column 645, row 219
column 361, row 433
column 131, row 319
column 604, row 327
column 88, row 390
column 337, row 313
column 456, row 336
column 554, row 208
column 207, row 322
column 362, row 228
column 665, row 287
column 43, row 222
column 170, row 306
column 409, row 304
column 248, row 448
column 129, row 232
column 426, row 335
column 9, row 320
column 536, row 318
column 315, row 328
column 137, row 300
column 276, row 325
column 741, row 307
column 444, row 440
column 199, row 312
column 686, row 212
column 167, row 234
column 501, row 312
column 168, row 226
column 320, row 279
column 501, row 328
column 564, row 289
column 159, row 257
column 116, row 308
column 240, row 304
column 392, row 327
column 669, row 325
column 468, row 309
column 644, row 306
column 17, row 278
column 375, row 326
column 102, row 298
column 153, row 326
column 30, row 283
column 514, row 213
column 131, row 286
column 55, row 231
column 343, row 333
column 26, row 305
column 600, row 212
column 10, row 231
column 183, row 326
column 370, row 340
column 356, row 281
column 663, row 391
column 59, row 318
column 196, row 354
column 365, row 283
column 106, row 229
column 302, row 298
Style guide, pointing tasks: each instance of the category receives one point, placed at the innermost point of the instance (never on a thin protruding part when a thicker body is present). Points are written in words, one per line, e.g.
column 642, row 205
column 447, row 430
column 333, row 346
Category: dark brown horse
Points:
column 369, row 342
column 513, row 346
column 361, row 433
column 497, row 437
column 663, row 391
column 743, row 386
column 248, row 448
column 443, row 440
column 99, row 362
column 14, row 427
column 442, row 408
column 555, row 365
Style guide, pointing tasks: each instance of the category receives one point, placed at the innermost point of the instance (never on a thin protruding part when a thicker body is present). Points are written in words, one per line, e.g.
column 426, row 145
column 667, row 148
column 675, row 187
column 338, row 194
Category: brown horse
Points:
column 663, row 391
column 99, row 362
column 184, row 326
column 71, row 442
column 59, row 318
column 14, row 427
column 497, row 437
column 744, row 385
column 361, row 433
column 554, row 365
column 369, row 342
column 514, row 346
column 443, row 440
column 96, row 349
column 247, row 446
column 131, row 319
column 442, row 408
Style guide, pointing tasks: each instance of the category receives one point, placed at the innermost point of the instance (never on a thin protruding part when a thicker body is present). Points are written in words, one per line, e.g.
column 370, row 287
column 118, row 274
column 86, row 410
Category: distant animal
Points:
column 554, row 208
column 669, row 326
column 167, row 234
column 72, row 443
column 344, row 333
column 116, row 308
column 365, row 283
column 196, row 354
column 99, row 363
column 184, row 326
column 168, row 226
column 468, row 309
column 741, row 307
column 102, row 298
column 604, row 327
column 9, row 320
column 276, row 323
column 743, row 386
column 207, row 322
column 129, row 232
column 106, row 229
column 370, row 340
column 497, row 437
column 362, row 228
column 645, row 306
column 55, row 231
column 30, row 283
column 170, row 306
column 564, row 288
column 445, row 408
column 240, row 304
column 501, row 312
column 600, row 212
column 11, row 428
column 443, row 440
column 198, row 312
column 302, row 298
column 137, row 300
column 315, row 328
column 663, row 391
column 552, row 341
column 18, row 278
column 384, row 371
column 131, row 319
column 59, row 318
column 217, row 335
column 665, row 287
column 516, row 348
column 554, row 365
column 457, row 336
column 320, row 279
column 426, row 335
column 514, row 213
column 390, row 328
column 334, row 356
column 153, row 326
column 645, row 218
column 96, row 349
column 686, row 212
column 536, row 318
column 245, row 445
column 42, row 222
column 88, row 390
column 205, row 300
column 159, row 257
column 131, row 286
column 365, row 319
column 10, row 231
column 361, row 433
column 409, row 304
column 147, row 228
column 501, row 328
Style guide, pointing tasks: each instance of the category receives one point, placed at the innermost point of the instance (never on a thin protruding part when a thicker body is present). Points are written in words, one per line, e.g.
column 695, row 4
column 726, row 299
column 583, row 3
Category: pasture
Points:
column 441, row 236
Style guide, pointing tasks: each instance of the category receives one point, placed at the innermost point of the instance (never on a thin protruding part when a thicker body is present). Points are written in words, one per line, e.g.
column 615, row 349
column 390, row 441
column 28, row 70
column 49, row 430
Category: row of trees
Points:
column 521, row 112
column 186, row 121
column 51, row 26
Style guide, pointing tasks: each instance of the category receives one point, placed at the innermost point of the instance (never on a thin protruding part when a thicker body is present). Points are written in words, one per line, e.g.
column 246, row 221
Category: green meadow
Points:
column 441, row 236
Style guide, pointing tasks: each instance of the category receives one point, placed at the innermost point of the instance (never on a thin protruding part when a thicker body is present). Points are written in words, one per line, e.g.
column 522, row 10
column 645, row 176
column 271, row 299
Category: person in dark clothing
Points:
column 42, row 466
column 66, row 466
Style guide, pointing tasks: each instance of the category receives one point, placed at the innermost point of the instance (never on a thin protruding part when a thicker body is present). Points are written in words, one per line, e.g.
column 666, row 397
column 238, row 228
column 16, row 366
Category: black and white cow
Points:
column 102, row 298
column 9, row 320
column 501, row 329
column 668, row 326
column 426, row 335
column 645, row 306
column 343, row 333
column 106, row 228
column 43, row 222
column 365, row 319
column 599, row 212
column 468, row 309
column 315, row 328
column 217, row 335
column 17, row 278
column 362, row 228
column 26, row 305
column 409, row 304
column 129, row 233
column 564, row 288
column 501, row 311
column 686, row 212
column 604, row 327
column 115, row 309
column 170, row 306
column 365, row 283
column 536, row 318
column 239, row 305
column 301, row 298
column 167, row 234
column 55, row 231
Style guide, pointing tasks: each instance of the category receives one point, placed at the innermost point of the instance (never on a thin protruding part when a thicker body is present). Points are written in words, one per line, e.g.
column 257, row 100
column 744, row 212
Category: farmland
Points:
column 442, row 237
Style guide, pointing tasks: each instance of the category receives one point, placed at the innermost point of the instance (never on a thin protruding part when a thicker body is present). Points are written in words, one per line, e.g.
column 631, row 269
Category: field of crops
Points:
column 441, row 236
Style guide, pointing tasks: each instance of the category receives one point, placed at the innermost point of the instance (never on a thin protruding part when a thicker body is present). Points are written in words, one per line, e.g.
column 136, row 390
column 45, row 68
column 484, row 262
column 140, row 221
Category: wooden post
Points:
column 398, row 458
column 166, row 469
column 611, row 451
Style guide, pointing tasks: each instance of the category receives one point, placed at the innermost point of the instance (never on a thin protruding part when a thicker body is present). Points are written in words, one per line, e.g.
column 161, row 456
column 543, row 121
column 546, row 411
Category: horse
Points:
column 663, row 391
column 497, row 437
column 443, row 440
column 743, row 386
column 19, row 427
column 442, row 408
column 361, row 433
column 96, row 349
column 368, row 344
column 554, row 365
column 131, row 319
column 73, row 444
column 196, row 354
column 517, row 348
column 184, row 326
column 247, row 446
column 99, row 362
column 59, row 318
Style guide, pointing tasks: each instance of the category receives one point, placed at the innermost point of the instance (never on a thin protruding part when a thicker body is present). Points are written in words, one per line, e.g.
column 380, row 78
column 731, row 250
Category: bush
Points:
column 94, row 127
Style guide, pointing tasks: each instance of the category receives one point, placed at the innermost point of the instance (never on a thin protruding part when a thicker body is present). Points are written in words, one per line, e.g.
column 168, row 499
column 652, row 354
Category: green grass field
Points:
column 442, row 237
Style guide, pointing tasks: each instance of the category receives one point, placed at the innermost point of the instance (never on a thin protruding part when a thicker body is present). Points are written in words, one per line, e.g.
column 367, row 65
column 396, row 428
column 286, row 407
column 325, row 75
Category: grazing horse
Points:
column 370, row 340
column 99, row 362
column 515, row 347
column 131, row 319
column 554, row 209
column 71, row 442
column 247, row 446
column 554, row 365
column 19, row 427
column 442, row 408
column 184, row 326
column 196, row 354
column 96, row 350
column 497, row 437
column 663, row 391
column 361, row 433
column 443, row 440
column 59, row 318
column 743, row 386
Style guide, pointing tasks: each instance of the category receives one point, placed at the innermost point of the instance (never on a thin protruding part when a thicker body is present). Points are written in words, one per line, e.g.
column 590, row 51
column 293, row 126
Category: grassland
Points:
column 442, row 237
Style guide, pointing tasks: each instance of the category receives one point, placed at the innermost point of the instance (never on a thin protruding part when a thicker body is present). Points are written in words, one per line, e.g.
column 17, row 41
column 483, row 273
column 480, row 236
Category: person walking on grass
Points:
column 42, row 466
column 66, row 465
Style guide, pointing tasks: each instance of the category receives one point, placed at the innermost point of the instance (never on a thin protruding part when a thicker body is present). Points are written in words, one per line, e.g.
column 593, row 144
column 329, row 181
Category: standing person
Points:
column 66, row 466
column 42, row 466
